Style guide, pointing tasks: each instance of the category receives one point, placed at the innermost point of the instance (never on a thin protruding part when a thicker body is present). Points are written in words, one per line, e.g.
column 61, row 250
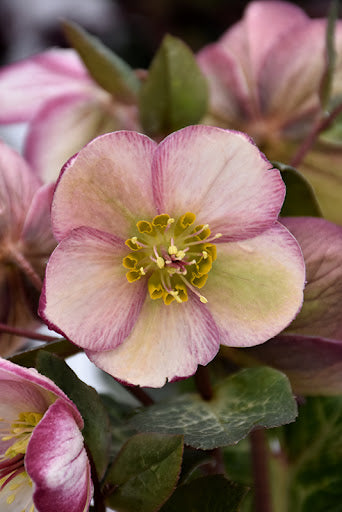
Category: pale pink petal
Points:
column 57, row 463
column 112, row 177
column 263, row 24
column 291, row 74
column 230, row 99
column 167, row 342
column 17, row 187
column 64, row 125
column 255, row 287
column 313, row 364
column 35, row 383
column 321, row 243
column 37, row 231
column 221, row 177
column 23, row 494
column 86, row 294
column 26, row 85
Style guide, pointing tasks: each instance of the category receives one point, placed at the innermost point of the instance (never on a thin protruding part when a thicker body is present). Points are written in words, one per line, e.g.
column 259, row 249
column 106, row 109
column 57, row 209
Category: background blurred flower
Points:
column 154, row 323
column 265, row 75
column 65, row 108
column 26, row 241
column 43, row 462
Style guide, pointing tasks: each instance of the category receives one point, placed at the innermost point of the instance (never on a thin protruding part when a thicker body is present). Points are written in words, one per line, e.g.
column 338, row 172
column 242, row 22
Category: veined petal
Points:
column 313, row 364
column 321, row 243
column 57, row 462
column 32, row 380
column 86, row 295
column 17, row 187
column 256, row 287
column 167, row 342
column 112, row 176
column 26, row 85
column 37, row 230
column 290, row 76
column 221, row 177
column 81, row 117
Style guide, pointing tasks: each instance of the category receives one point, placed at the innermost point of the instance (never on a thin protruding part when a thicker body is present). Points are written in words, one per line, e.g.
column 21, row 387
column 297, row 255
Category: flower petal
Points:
column 321, row 243
column 34, row 383
column 26, row 85
column 167, row 342
column 221, row 177
column 313, row 364
column 82, row 118
column 86, row 295
column 37, row 231
column 256, row 287
column 57, row 462
column 17, row 187
column 112, row 176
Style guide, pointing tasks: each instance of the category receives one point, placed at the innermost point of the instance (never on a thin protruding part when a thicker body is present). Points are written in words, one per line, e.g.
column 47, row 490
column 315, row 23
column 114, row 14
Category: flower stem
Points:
column 26, row 267
column 99, row 503
column 260, row 469
column 140, row 395
column 320, row 126
column 203, row 384
column 23, row 333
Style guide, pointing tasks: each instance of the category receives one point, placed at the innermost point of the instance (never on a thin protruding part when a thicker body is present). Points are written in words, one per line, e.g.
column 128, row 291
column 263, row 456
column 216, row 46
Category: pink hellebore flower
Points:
column 64, row 107
column 165, row 251
column 26, row 242
column 43, row 463
column 265, row 75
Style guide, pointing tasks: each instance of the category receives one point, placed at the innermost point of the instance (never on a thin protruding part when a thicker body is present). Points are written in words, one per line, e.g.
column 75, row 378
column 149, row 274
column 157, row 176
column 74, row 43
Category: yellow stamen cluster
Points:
column 174, row 255
column 20, row 431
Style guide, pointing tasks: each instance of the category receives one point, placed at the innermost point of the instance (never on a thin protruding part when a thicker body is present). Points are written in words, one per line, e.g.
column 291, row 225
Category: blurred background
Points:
column 132, row 28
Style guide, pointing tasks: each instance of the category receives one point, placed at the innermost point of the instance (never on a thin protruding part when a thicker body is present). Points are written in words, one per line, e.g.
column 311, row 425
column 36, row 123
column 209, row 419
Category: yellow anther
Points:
column 172, row 250
column 218, row 235
column 205, row 254
column 142, row 271
column 170, row 221
column 180, row 255
column 175, row 294
column 160, row 262
column 10, row 499
column 203, row 299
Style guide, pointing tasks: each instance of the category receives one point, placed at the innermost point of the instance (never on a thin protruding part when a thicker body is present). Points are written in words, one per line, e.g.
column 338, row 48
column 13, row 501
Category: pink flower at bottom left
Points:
column 43, row 462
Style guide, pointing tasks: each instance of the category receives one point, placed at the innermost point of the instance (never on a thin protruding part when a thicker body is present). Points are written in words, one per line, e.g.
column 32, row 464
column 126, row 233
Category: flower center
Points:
column 174, row 255
column 20, row 431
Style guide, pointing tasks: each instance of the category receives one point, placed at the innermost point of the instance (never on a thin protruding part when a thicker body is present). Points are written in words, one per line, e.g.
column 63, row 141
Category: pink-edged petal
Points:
column 313, row 364
column 37, row 231
column 262, row 25
column 321, row 243
column 291, row 74
column 112, row 177
column 86, row 295
column 167, row 342
column 32, row 380
column 221, row 177
column 230, row 99
column 255, row 287
column 57, row 463
column 81, row 118
column 26, row 85
column 17, row 187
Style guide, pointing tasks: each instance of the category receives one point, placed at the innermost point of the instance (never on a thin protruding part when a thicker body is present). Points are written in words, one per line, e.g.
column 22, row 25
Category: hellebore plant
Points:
column 167, row 251
column 53, row 89
column 43, row 462
column 265, row 76
column 26, row 242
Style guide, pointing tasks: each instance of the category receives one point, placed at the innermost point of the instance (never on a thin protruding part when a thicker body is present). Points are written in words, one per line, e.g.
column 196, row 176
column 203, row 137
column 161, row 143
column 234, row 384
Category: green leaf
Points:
column 61, row 348
column 300, row 199
column 255, row 396
column 330, row 55
column 106, row 68
column 314, row 450
column 175, row 93
column 96, row 430
column 145, row 472
column 208, row 494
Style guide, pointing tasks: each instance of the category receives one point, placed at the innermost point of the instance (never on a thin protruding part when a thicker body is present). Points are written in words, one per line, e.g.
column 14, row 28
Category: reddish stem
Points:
column 23, row 333
column 203, row 384
column 140, row 395
column 260, row 469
